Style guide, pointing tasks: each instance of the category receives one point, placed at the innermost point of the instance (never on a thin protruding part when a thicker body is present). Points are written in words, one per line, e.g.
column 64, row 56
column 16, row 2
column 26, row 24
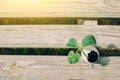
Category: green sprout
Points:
column 74, row 56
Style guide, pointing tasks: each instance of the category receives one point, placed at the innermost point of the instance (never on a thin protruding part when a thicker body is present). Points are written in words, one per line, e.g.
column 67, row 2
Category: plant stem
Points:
column 77, row 51
column 81, row 49
column 84, row 53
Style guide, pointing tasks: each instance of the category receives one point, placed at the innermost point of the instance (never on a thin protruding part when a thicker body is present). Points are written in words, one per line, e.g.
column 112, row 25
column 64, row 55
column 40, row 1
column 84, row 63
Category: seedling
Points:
column 74, row 56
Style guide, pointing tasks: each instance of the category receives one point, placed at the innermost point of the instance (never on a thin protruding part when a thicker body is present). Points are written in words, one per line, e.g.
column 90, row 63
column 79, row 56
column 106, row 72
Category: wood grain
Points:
column 57, row 67
column 57, row 36
column 60, row 8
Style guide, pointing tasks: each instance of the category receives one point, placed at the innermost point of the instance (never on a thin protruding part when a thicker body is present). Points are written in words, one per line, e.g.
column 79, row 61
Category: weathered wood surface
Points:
column 56, row 35
column 56, row 68
column 60, row 8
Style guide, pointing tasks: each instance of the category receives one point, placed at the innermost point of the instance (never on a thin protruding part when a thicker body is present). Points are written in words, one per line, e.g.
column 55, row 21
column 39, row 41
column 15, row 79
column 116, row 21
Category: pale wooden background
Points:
column 56, row 35
column 60, row 8
column 57, row 67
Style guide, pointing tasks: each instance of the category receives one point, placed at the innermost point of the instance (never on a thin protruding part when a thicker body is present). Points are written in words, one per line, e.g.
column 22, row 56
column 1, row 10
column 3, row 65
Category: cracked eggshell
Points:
column 87, row 50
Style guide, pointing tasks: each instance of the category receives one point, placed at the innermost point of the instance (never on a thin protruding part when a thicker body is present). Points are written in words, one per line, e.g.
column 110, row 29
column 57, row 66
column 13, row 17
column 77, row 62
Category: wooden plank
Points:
column 80, row 21
column 57, row 35
column 57, row 67
column 90, row 22
column 60, row 8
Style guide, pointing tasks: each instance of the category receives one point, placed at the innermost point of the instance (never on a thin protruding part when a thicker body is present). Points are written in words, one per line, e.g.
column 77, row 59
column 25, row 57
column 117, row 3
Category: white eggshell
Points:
column 87, row 50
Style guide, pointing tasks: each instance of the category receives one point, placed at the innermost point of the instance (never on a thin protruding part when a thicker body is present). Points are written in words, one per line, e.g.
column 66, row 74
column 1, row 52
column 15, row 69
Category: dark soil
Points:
column 92, row 56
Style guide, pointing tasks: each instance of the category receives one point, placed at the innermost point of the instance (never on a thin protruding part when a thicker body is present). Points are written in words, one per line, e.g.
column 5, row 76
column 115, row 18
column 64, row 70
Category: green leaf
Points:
column 72, row 43
column 73, row 57
column 88, row 40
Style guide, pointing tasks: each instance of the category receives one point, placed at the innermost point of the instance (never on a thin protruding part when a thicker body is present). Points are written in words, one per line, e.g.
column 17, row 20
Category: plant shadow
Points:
column 111, row 50
column 103, row 61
